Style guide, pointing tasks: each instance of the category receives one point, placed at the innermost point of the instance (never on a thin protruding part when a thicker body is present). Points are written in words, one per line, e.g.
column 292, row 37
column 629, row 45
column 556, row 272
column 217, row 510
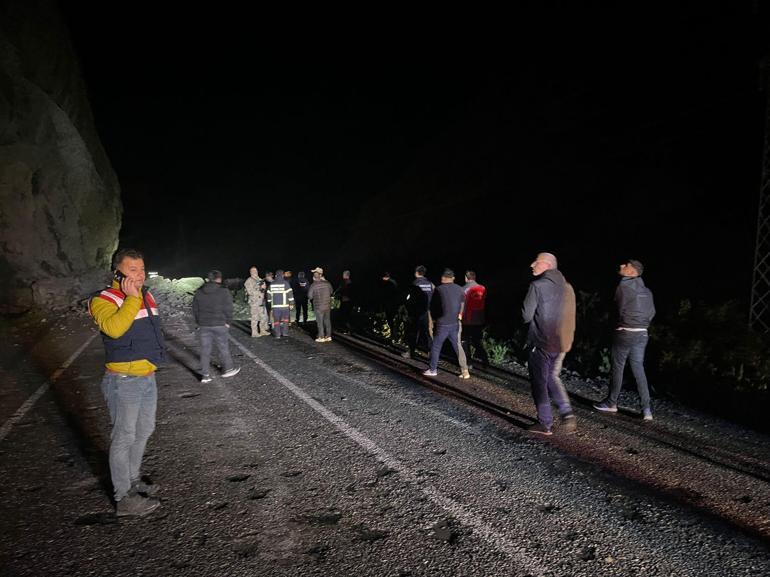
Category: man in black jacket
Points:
column 418, row 308
column 636, row 310
column 213, row 310
column 549, row 309
column 300, row 286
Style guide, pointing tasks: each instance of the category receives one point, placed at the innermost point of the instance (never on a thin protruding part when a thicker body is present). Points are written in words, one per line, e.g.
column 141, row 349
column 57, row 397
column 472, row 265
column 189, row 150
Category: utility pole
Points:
column 759, row 311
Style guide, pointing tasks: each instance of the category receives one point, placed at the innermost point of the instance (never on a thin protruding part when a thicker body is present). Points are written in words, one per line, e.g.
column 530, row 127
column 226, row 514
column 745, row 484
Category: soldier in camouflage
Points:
column 255, row 293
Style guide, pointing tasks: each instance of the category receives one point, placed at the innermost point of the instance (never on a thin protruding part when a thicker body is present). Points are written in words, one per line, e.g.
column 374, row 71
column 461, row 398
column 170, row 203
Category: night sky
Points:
column 466, row 140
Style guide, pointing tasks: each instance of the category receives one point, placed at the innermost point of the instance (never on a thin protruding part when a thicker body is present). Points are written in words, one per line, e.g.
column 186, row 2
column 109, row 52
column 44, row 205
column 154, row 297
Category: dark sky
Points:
column 599, row 134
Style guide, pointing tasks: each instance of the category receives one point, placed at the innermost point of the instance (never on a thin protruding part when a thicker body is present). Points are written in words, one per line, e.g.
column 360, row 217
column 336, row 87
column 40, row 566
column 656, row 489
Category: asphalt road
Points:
column 316, row 461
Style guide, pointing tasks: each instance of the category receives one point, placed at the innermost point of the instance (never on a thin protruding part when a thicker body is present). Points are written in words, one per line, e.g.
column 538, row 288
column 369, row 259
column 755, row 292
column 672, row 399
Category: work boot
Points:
column 134, row 505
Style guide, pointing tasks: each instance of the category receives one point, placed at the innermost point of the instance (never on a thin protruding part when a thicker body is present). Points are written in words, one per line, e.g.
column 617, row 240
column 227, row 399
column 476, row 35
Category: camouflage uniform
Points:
column 255, row 290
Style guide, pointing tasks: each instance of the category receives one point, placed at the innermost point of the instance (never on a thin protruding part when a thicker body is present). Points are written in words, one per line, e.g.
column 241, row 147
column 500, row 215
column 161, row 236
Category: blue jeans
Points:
column 442, row 333
column 209, row 336
column 545, row 386
column 132, row 402
column 629, row 345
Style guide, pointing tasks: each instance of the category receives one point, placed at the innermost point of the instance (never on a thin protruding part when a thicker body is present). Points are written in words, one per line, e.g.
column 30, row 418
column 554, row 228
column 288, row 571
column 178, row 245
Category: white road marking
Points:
column 460, row 512
column 30, row 402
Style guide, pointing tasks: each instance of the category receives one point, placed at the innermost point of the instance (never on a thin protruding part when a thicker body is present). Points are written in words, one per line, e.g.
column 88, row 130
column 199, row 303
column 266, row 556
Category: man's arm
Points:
column 195, row 307
column 112, row 320
column 228, row 306
column 530, row 304
column 621, row 299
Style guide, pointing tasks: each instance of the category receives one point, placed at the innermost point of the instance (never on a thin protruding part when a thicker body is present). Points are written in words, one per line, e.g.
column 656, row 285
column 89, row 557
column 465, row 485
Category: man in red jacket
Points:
column 473, row 318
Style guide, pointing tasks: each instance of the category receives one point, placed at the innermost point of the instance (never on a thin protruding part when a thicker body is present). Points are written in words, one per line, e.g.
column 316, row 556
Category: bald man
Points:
column 549, row 309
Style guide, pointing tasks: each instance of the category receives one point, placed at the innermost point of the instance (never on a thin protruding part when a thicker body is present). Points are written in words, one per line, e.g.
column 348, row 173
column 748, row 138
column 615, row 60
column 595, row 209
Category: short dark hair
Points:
column 469, row 274
column 125, row 253
column 214, row 275
column 421, row 270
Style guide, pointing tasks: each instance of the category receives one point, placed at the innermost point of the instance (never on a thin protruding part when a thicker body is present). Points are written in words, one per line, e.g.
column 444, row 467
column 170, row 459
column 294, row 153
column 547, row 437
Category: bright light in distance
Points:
column 152, row 274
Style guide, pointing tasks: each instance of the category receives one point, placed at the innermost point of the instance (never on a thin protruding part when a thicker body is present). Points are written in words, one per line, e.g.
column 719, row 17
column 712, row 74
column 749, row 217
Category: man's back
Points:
column 636, row 307
column 450, row 297
column 549, row 310
column 212, row 305
column 321, row 294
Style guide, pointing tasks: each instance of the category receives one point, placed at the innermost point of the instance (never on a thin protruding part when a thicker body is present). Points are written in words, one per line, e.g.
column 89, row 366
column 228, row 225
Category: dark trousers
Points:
column 345, row 310
column 281, row 317
column 301, row 305
column 472, row 335
column 629, row 346
column 545, row 387
column 209, row 336
column 418, row 333
column 451, row 333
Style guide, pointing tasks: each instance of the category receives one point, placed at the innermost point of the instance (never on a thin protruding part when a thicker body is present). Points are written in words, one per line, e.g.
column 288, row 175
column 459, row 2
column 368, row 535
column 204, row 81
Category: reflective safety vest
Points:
column 280, row 295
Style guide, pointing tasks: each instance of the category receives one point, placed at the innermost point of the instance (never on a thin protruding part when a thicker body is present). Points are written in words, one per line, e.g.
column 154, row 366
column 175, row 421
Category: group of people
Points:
column 272, row 299
column 128, row 319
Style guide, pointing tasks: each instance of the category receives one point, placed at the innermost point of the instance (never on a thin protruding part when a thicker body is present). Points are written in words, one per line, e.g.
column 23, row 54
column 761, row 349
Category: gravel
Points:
column 314, row 461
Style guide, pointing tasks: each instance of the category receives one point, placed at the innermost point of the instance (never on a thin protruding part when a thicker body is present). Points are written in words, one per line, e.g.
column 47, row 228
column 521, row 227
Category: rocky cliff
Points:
column 60, row 209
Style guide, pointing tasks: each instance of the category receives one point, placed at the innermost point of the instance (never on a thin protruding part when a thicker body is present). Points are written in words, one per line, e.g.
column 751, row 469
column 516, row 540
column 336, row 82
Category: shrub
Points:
column 497, row 350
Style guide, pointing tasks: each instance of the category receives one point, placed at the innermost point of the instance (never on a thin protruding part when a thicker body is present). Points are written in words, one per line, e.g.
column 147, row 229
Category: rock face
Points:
column 60, row 210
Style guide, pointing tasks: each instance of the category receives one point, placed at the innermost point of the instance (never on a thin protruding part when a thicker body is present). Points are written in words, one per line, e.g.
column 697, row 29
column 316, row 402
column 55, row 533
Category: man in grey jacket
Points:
column 549, row 309
column 636, row 310
column 213, row 311
column 320, row 292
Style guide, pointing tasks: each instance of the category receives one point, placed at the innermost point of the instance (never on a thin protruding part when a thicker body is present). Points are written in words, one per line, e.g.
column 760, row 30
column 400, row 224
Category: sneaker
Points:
column 465, row 375
column 143, row 488
column 647, row 414
column 539, row 429
column 327, row 339
column 206, row 379
column 569, row 424
column 430, row 373
column 135, row 506
column 606, row 407
column 320, row 340
column 231, row 373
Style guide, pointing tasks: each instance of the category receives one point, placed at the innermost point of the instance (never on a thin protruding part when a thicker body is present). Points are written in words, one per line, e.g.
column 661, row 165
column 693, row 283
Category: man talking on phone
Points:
column 128, row 319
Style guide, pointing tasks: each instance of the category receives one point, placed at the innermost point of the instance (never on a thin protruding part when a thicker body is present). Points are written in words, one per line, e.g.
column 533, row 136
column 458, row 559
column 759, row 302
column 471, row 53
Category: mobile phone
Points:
column 119, row 276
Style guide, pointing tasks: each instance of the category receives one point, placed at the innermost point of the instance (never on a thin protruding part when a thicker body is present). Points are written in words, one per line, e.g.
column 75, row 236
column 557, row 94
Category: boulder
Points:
column 60, row 209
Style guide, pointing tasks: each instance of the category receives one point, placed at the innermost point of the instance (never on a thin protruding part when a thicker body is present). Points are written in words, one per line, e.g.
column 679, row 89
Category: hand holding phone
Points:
column 127, row 285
